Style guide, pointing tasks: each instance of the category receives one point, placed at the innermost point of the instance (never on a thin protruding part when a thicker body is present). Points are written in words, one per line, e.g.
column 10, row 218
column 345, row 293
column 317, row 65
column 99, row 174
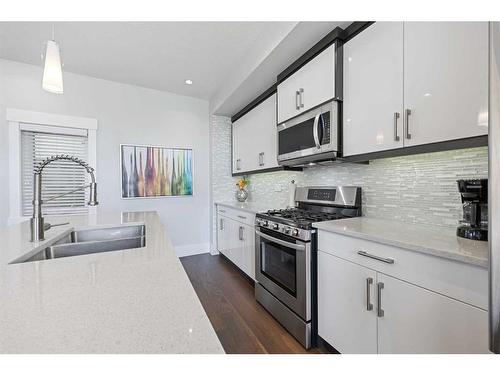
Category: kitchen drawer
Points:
column 241, row 216
column 461, row 281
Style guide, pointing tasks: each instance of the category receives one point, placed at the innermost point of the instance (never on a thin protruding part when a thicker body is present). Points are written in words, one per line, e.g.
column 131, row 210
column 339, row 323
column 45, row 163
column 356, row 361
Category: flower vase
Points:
column 241, row 195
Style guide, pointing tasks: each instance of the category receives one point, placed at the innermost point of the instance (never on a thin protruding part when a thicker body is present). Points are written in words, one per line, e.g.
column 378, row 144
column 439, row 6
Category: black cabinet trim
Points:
column 455, row 144
column 311, row 53
column 337, row 34
column 354, row 29
column 273, row 169
column 254, row 103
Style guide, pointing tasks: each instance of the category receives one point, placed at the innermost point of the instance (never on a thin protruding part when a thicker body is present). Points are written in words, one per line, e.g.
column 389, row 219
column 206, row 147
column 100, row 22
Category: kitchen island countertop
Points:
column 128, row 301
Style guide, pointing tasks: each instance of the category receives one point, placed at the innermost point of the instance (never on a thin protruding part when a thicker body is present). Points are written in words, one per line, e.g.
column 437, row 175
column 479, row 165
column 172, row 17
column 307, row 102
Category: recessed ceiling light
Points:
column 189, row 82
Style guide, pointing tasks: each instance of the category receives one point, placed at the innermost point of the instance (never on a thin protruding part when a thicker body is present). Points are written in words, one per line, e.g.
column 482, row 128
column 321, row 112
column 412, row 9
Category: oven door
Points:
column 283, row 267
column 312, row 133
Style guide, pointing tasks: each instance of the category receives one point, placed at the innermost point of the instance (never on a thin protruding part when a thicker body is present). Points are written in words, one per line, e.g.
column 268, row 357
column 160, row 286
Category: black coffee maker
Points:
column 474, row 224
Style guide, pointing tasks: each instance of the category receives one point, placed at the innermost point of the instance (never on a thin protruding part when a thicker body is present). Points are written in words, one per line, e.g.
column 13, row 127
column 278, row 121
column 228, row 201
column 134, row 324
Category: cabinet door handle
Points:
column 376, row 257
column 261, row 159
column 396, row 135
column 238, row 164
column 221, row 224
column 369, row 304
column 380, row 311
column 301, row 96
column 407, row 120
column 297, row 105
column 242, row 217
column 240, row 233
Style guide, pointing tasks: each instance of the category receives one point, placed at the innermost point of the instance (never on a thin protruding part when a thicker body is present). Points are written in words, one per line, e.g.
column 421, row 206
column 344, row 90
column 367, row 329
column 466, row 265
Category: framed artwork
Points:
column 155, row 171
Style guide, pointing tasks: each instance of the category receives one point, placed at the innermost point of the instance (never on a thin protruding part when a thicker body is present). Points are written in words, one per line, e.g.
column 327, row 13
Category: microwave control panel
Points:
column 326, row 128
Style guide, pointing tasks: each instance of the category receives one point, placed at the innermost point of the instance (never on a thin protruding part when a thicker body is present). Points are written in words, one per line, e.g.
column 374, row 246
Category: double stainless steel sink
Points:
column 88, row 241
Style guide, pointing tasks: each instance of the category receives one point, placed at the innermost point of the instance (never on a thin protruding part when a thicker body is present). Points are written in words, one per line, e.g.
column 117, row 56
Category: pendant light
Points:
column 52, row 80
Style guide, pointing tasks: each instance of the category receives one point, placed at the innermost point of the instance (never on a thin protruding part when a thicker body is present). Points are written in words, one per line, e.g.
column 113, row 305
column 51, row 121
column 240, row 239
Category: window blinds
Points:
column 58, row 177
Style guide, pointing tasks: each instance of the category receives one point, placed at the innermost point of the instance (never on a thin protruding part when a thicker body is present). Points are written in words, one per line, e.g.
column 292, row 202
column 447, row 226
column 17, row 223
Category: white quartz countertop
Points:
column 438, row 241
column 128, row 301
column 252, row 207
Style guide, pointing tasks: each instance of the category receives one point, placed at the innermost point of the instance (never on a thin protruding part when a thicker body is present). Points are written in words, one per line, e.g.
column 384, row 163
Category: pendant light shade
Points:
column 52, row 71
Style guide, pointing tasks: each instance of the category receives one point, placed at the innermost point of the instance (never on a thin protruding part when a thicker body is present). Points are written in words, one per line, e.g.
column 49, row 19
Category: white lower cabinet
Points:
column 417, row 320
column 362, row 309
column 236, row 239
column 344, row 318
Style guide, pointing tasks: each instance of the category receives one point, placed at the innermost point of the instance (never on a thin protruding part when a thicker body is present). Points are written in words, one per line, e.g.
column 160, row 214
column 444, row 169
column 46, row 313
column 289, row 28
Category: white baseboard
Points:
column 193, row 249
column 213, row 250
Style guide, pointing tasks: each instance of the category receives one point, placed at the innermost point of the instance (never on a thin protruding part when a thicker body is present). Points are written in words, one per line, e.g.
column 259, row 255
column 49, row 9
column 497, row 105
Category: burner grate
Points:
column 303, row 216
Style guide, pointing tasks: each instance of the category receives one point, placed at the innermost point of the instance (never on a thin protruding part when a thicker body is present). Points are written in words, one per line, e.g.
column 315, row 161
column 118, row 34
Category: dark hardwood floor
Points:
column 241, row 323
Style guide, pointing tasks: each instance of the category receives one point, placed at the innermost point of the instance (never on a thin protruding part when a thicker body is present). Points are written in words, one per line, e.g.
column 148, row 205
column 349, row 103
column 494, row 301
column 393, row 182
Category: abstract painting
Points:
column 153, row 171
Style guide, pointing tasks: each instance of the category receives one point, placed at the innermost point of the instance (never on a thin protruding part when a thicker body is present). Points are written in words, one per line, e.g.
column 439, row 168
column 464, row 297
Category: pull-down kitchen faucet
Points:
column 37, row 225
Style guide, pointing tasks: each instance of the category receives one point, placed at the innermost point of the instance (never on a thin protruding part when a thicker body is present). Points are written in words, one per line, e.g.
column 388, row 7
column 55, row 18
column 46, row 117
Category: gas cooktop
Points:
column 314, row 204
column 301, row 217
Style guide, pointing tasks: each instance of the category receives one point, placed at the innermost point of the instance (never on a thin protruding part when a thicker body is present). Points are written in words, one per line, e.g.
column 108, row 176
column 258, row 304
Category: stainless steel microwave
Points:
column 310, row 137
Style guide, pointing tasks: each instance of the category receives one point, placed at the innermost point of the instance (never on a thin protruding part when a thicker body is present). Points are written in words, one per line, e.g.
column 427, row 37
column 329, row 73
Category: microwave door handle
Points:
column 315, row 130
column 280, row 242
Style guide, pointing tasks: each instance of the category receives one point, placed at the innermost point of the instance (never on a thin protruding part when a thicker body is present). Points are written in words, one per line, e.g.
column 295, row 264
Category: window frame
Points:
column 49, row 123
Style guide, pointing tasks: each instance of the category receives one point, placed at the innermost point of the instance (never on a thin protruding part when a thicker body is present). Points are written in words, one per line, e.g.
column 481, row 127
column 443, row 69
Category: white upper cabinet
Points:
column 254, row 138
column 311, row 85
column 445, row 80
column 265, row 134
column 239, row 145
column 373, row 89
column 433, row 75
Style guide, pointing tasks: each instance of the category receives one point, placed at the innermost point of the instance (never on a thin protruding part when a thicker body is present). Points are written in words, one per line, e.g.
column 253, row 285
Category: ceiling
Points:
column 229, row 62
column 159, row 55
column 257, row 80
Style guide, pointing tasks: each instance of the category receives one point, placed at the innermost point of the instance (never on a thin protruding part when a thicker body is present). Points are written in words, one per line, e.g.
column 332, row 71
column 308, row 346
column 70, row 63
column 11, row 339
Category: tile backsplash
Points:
column 419, row 188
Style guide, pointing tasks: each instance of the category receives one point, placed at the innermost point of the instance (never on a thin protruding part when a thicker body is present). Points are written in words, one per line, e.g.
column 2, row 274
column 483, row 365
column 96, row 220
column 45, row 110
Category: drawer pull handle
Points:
column 223, row 211
column 380, row 311
column 242, row 217
column 369, row 304
column 368, row 255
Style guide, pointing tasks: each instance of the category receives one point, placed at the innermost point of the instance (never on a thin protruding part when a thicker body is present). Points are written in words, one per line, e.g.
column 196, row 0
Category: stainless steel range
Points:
column 286, row 254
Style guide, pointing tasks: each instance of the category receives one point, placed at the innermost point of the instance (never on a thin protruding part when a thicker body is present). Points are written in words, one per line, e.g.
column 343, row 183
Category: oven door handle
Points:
column 315, row 130
column 280, row 242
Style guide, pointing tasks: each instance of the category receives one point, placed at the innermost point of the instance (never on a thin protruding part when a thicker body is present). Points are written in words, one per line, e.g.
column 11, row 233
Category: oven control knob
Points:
column 295, row 232
column 265, row 223
column 276, row 226
column 287, row 230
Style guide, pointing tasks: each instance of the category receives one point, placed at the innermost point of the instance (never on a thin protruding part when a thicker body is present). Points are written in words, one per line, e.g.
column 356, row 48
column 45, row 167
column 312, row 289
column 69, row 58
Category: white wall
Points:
column 125, row 114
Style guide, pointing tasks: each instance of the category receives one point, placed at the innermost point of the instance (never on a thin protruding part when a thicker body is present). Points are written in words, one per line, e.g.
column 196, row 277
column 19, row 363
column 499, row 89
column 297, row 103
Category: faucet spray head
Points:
column 93, row 195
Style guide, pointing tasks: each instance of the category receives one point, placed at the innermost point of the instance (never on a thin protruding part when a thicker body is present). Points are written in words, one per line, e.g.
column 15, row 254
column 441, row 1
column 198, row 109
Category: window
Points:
column 58, row 177
column 33, row 136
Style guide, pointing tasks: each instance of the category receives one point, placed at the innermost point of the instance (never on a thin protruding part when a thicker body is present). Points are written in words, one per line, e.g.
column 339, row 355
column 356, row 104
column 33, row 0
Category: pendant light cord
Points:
column 53, row 32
